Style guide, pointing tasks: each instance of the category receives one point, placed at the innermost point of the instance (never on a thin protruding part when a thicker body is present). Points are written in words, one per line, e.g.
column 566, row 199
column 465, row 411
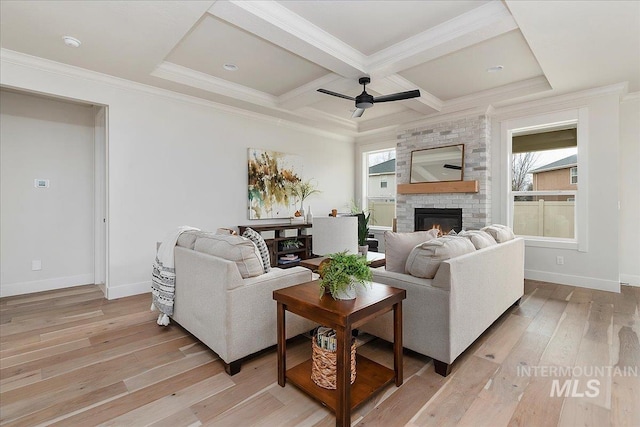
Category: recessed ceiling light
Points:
column 495, row 69
column 71, row 41
column 230, row 67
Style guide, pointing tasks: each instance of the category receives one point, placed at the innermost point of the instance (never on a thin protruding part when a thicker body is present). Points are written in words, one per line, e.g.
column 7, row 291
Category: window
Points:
column 573, row 175
column 380, row 185
column 544, row 201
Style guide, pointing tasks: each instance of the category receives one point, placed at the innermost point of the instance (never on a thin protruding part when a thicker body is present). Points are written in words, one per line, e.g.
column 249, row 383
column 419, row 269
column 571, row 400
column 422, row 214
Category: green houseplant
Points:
column 342, row 272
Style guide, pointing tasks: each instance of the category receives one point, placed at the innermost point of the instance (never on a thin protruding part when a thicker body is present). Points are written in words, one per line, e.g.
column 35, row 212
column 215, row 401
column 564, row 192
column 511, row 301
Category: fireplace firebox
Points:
column 444, row 220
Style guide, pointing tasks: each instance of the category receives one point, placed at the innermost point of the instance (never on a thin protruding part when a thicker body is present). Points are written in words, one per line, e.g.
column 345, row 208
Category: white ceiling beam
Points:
column 475, row 26
column 307, row 94
column 187, row 76
column 280, row 26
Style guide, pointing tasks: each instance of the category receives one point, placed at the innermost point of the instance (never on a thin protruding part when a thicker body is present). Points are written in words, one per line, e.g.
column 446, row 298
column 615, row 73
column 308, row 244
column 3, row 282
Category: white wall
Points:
column 175, row 160
column 45, row 139
column 595, row 265
column 630, row 191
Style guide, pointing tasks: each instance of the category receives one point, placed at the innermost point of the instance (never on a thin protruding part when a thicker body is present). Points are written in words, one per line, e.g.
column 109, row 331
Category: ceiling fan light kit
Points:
column 364, row 100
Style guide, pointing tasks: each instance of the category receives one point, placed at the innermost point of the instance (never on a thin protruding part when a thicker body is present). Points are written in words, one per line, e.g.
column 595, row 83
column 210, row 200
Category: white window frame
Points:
column 364, row 151
column 545, row 122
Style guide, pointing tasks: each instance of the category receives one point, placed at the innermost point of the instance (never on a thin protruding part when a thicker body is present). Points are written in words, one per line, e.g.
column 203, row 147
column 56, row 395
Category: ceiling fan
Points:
column 364, row 100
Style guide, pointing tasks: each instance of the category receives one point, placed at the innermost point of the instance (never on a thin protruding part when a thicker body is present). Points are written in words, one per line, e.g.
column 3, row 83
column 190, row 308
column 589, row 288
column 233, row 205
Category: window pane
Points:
column 381, row 187
column 545, row 216
column 551, row 171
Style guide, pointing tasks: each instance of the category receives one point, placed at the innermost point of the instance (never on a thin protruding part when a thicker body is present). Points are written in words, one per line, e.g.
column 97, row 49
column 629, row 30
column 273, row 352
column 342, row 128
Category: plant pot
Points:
column 362, row 250
column 348, row 293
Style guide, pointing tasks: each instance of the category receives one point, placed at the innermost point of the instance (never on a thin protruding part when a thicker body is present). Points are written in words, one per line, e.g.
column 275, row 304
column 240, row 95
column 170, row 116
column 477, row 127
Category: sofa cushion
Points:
column 187, row 239
column 256, row 238
column 480, row 239
column 501, row 233
column 425, row 258
column 397, row 247
column 233, row 248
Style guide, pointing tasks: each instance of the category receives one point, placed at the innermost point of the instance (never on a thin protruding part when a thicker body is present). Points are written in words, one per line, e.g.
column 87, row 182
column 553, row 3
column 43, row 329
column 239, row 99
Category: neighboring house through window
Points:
column 573, row 175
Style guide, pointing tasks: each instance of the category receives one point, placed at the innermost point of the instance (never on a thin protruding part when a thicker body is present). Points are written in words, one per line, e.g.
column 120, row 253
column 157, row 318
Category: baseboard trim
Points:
column 22, row 288
column 580, row 281
column 128, row 289
column 630, row 279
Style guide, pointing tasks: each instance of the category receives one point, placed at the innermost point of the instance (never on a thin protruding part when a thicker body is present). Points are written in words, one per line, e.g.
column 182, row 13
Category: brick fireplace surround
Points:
column 475, row 133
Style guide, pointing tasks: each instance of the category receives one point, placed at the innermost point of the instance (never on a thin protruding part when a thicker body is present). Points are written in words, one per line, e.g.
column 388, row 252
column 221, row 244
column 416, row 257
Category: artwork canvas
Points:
column 270, row 174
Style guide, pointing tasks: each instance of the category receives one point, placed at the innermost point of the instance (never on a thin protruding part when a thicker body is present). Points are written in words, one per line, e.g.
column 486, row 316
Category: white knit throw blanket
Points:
column 163, row 282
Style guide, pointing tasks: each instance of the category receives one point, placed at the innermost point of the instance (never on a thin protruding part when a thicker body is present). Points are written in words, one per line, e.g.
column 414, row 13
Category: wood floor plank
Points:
column 173, row 402
column 63, row 365
column 499, row 344
column 456, row 394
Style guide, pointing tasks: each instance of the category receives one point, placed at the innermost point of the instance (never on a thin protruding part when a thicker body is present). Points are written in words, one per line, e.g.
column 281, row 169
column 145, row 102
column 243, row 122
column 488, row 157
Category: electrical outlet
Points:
column 36, row 265
column 560, row 260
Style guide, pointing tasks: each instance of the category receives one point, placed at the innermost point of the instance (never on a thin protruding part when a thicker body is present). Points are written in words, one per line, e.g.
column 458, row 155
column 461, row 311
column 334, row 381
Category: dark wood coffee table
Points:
column 375, row 260
column 343, row 316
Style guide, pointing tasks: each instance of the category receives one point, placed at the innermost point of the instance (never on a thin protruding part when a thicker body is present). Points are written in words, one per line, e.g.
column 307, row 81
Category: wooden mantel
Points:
column 439, row 187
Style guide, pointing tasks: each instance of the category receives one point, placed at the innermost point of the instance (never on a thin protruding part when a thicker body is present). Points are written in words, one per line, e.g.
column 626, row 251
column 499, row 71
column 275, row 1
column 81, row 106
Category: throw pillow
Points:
column 501, row 233
column 233, row 248
column 187, row 239
column 480, row 239
column 424, row 260
column 397, row 247
column 256, row 238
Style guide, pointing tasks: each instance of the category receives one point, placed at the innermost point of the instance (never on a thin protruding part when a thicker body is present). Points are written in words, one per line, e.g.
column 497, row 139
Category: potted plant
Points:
column 342, row 272
column 363, row 232
column 300, row 190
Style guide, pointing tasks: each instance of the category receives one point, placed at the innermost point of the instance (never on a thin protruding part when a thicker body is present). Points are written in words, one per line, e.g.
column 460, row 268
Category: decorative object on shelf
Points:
column 300, row 191
column 291, row 244
column 270, row 175
column 309, row 215
column 342, row 273
column 323, row 362
column 334, row 212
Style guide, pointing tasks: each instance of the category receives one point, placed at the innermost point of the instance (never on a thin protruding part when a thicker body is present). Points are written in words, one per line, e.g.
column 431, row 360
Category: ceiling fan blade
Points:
column 358, row 112
column 397, row 96
column 339, row 95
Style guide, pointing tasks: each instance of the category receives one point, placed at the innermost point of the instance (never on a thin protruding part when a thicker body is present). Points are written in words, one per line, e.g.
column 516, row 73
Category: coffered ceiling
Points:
column 286, row 50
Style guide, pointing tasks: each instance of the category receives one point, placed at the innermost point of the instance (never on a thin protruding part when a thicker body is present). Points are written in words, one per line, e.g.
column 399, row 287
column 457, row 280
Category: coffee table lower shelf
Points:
column 370, row 377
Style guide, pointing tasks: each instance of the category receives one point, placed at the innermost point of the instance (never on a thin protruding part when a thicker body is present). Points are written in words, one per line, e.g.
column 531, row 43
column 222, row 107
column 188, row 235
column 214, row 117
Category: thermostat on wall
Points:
column 41, row 183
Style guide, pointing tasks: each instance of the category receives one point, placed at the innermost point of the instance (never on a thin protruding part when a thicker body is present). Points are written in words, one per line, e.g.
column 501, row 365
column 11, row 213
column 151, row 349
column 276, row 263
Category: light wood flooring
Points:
column 70, row 357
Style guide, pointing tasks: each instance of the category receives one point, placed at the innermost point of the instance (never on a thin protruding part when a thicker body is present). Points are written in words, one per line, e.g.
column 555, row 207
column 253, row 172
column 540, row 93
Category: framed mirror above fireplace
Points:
column 441, row 164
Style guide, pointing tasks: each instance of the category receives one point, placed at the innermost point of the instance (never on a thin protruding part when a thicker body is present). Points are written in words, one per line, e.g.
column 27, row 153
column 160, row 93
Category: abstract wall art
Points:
column 270, row 176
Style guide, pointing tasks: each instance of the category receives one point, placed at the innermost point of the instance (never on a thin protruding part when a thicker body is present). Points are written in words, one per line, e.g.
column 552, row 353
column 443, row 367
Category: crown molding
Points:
column 279, row 25
column 574, row 98
column 313, row 113
column 474, row 26
column 187, row 76
column 70, row 71
column 444, row 117
column 490, row 96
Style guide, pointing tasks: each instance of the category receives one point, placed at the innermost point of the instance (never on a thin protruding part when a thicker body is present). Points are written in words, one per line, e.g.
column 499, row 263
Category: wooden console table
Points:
column 343, row 316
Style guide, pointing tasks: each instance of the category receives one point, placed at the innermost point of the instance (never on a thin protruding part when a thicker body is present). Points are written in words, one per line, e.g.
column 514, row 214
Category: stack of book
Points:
column 326, row 338
column 288, row 259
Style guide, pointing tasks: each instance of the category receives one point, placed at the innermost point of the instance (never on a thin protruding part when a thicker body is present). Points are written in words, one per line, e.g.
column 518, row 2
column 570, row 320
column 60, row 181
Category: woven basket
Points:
column 323, row 366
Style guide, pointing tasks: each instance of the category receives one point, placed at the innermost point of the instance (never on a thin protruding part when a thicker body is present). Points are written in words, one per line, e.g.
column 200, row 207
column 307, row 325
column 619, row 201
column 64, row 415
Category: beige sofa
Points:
column 444, row 315
column 232, row 315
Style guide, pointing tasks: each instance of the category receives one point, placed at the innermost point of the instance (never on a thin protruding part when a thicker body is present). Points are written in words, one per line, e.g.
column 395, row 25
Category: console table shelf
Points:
column 275, row 250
